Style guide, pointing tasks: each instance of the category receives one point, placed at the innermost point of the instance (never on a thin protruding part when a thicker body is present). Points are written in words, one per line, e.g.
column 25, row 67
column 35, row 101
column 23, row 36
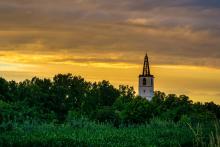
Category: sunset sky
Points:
column 108, row 39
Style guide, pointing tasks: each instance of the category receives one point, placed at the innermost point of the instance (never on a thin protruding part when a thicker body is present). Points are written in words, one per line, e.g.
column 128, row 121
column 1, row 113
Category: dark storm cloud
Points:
column 174, row 32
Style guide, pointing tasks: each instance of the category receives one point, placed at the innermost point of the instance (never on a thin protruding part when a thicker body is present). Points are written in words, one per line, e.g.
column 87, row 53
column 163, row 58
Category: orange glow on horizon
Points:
column 200, row 83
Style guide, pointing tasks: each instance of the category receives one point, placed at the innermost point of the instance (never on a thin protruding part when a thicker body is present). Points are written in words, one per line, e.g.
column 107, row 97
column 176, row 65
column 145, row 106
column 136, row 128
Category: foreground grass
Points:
column 84, row 133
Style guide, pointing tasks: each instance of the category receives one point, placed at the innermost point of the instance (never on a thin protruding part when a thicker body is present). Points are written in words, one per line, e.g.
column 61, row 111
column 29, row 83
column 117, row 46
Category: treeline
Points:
column 67, row 95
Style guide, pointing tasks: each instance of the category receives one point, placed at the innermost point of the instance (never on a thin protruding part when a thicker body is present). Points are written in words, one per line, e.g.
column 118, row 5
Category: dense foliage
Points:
column 46, row 111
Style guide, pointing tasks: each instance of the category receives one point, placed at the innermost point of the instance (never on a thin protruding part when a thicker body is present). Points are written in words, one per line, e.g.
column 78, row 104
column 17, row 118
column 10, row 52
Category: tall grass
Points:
column 81, row 132
column 215, row 137
column 199, row 137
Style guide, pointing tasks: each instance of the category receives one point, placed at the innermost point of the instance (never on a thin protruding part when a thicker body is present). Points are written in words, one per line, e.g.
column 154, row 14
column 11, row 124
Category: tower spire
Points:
column 146, row 68
column 146, row 81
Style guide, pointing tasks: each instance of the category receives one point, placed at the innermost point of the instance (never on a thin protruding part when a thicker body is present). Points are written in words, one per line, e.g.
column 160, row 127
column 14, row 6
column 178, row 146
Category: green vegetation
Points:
column 68, row 111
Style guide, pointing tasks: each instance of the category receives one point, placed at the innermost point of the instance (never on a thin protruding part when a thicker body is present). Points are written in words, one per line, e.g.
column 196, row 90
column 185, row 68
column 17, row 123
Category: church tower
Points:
column 146, row 81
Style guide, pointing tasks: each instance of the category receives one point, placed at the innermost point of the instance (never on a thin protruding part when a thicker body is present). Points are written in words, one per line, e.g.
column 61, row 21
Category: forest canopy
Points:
column 54, row 100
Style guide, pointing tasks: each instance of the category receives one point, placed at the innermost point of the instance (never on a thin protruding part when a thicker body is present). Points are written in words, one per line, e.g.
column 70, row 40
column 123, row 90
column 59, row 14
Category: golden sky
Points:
column 102, row 39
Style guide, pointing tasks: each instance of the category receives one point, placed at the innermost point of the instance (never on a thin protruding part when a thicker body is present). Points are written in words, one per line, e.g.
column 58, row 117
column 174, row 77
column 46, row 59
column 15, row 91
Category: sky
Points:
column 108, row 39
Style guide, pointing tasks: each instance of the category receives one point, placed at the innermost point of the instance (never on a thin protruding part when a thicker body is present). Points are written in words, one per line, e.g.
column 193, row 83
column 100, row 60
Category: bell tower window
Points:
column 144, row 81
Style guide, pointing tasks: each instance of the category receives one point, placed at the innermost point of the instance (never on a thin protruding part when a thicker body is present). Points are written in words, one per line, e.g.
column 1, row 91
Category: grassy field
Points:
column 82, row 132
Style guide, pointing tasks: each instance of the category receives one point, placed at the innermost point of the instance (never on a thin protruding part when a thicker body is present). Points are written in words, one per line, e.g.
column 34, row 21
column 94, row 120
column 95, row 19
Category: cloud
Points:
column 173, row 32
column 141, row 21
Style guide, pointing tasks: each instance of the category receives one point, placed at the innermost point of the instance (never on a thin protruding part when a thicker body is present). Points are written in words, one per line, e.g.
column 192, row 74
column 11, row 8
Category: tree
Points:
column 126, row 93
column 137, row 111
column 59, row 94
column 4, row 90
column 106, row 93
column 41, row 94
column 13, row 91
column 78, row 92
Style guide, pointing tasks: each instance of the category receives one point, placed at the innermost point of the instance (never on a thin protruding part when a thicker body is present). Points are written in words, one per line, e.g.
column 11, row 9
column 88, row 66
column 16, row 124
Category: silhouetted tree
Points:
column 47, row 99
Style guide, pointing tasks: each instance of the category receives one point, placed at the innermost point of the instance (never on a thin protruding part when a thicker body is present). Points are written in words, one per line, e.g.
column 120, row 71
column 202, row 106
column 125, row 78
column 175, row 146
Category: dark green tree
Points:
column 4, row 90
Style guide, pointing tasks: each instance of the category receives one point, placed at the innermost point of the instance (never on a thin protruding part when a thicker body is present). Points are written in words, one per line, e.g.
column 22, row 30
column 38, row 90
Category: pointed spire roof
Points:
column 146, row 67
